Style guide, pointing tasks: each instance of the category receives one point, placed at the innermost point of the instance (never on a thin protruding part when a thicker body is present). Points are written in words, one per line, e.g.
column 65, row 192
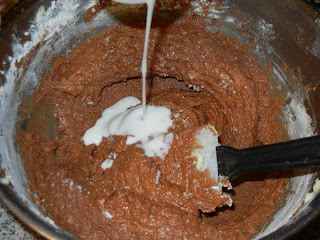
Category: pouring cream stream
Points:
column 146, row 125
column 150, row 4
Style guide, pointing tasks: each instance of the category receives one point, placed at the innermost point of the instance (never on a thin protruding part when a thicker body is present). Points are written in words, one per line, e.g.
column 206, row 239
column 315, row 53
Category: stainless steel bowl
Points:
column 287, row 34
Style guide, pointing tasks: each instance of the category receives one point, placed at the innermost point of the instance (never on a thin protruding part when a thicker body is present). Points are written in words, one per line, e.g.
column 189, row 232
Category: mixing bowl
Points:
column 286, row 36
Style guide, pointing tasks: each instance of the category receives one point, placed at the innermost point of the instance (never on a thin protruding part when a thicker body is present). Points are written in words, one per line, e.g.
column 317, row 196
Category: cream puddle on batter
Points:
column 124, row 118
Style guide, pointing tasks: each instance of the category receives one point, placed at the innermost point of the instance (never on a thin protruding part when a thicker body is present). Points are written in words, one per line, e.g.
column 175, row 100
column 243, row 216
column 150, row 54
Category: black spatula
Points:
column 304, row 152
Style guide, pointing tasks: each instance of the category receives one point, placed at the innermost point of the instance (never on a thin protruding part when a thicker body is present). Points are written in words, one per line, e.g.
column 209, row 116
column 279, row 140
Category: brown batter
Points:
column 203, row 78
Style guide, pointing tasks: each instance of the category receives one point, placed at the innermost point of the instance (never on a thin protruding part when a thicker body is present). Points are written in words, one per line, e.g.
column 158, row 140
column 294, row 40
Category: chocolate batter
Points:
column 203, row 78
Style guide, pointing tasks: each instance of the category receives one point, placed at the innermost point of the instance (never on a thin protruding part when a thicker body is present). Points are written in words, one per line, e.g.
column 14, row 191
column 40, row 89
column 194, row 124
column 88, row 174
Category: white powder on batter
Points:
column 297, row 118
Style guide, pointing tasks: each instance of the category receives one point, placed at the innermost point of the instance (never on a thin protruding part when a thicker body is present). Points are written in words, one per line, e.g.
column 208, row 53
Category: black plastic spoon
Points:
column 304, row 152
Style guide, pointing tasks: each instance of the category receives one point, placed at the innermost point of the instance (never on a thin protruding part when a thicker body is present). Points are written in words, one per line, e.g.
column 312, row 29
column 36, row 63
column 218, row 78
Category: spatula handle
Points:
column 298, row 153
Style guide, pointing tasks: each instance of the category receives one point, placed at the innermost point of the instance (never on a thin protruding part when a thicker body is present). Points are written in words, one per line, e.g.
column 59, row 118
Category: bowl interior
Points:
column 287, row 43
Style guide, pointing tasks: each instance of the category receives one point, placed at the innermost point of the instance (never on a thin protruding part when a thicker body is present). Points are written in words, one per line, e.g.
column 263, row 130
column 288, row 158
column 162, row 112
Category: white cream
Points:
column 150, row 4
column 101, row 127
column 315, row 190
column 207, row 138
column 107, row 164
column 4, row 181
column 124, row 118
column 206, row 154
